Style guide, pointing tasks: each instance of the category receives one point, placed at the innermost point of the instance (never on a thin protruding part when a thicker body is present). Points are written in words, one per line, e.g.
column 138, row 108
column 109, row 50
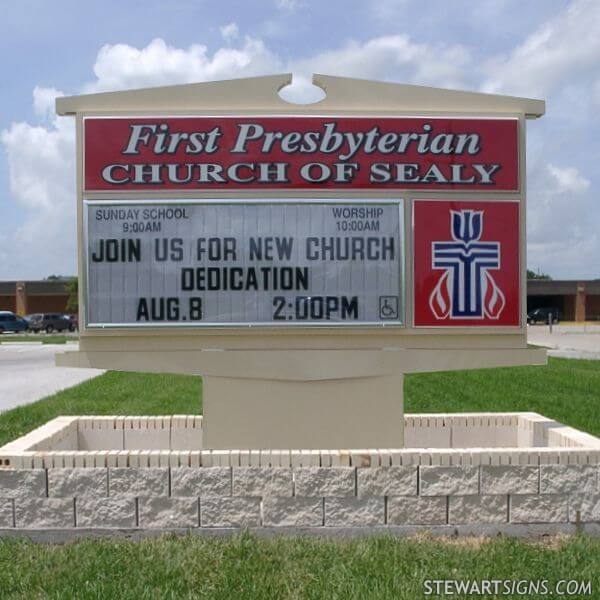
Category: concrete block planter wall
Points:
column 77, row 474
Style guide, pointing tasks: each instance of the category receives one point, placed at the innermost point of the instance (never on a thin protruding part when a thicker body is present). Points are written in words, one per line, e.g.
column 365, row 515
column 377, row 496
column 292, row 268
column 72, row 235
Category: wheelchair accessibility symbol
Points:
column 388, row 307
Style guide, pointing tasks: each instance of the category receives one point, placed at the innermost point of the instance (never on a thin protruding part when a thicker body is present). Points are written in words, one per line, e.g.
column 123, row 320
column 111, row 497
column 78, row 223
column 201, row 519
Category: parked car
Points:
column 27, row 318
column 10, row 322
column 74, row 321
column 542, row 315
column 50, row 322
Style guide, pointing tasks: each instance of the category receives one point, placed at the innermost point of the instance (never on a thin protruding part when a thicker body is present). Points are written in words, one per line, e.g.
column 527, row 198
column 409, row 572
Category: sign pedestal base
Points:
column 362, row 412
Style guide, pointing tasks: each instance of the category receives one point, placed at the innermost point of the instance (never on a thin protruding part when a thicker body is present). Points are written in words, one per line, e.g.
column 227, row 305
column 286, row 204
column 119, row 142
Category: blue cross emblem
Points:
column 466, row 289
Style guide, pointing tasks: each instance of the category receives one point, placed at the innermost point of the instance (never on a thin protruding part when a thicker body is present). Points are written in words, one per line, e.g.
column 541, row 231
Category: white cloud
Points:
column 561, row 227
column 229, row 32
column 568, row 179
column 387, row 11
column 120, row 66
column 40, row 162
column 288, row 4
column 43, row 102
column 564, row 48
column 394, row 57
column 41, row 166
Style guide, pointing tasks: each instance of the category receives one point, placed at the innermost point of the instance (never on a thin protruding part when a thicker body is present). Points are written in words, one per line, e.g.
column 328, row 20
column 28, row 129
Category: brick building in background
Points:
column 578, row 300
column 28, row 297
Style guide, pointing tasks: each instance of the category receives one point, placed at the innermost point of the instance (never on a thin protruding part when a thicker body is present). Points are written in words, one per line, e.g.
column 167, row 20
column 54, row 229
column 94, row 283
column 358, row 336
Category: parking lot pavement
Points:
column 27, row 373
column 567, row 341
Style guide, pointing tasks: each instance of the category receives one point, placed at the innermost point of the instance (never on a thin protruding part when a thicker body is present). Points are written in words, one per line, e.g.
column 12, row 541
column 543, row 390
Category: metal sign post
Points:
column 301, row 258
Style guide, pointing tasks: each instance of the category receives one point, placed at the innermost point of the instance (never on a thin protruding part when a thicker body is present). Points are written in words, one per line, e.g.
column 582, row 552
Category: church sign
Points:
column 301, row 258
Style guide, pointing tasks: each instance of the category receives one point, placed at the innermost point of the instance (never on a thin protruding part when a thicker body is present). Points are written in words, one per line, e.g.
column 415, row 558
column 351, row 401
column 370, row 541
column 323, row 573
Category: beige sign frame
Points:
column 252, row 376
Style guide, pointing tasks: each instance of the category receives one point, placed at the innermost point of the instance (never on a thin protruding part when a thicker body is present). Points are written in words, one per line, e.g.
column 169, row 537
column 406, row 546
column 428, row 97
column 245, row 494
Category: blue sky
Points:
column 543, row 48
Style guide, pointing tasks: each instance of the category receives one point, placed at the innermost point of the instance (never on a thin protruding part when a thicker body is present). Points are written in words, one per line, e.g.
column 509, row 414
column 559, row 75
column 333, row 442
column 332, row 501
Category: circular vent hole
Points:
column 302, row 91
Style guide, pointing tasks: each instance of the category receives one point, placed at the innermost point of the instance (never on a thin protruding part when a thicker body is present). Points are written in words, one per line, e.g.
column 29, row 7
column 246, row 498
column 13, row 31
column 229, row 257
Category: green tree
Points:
column 539, row 275
column 73, row 301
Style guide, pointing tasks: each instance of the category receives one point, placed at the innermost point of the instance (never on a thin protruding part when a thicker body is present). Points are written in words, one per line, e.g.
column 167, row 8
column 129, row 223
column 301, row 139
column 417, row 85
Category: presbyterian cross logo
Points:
column 466, row 289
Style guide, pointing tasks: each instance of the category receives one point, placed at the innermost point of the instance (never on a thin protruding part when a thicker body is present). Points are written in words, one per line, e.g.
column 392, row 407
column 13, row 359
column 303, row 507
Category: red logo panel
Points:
column 466, row 263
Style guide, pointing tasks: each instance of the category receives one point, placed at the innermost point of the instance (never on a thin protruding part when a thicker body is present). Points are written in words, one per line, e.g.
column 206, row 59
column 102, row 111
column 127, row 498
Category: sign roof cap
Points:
column 260, row 94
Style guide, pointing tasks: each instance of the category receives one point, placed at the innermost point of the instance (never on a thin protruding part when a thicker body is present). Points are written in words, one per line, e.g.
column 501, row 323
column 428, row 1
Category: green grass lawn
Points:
column 45, row 338
column 247, row 567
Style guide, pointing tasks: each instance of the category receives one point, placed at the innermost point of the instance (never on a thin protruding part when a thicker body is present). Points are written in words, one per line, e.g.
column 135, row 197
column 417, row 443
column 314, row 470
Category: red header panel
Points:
column 225, row 153
column 466, row 263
